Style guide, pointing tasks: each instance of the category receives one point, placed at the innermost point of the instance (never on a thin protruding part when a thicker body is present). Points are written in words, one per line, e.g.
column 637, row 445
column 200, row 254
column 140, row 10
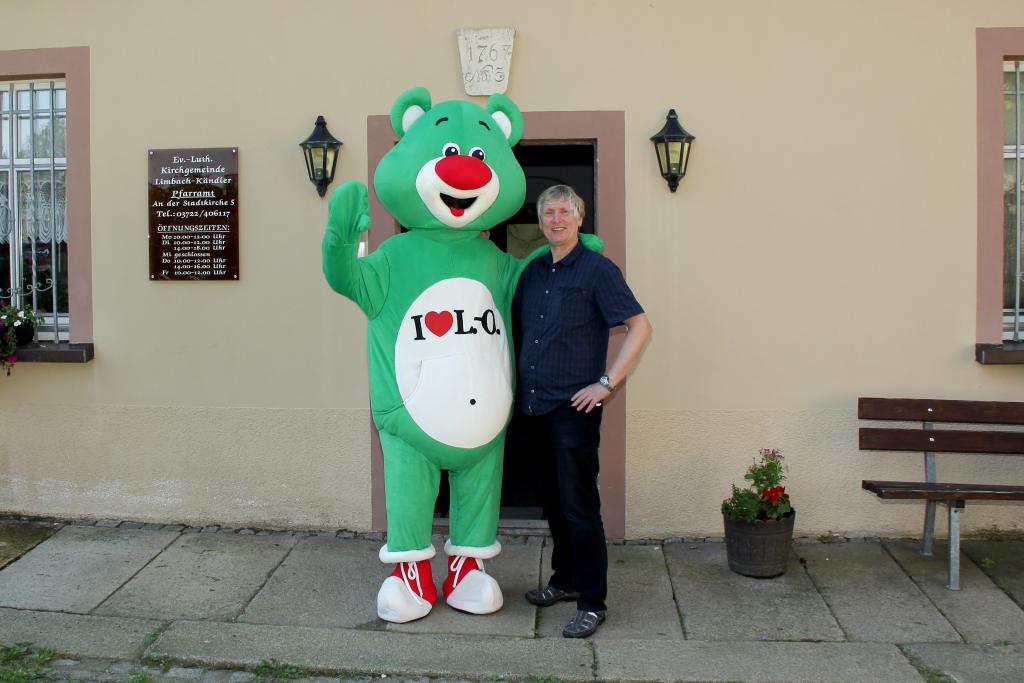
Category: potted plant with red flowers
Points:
column 17, row 328
column 759, row 519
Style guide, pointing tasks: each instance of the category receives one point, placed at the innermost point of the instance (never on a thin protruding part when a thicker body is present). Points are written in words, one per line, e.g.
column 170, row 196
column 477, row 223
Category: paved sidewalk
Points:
column 121, row 601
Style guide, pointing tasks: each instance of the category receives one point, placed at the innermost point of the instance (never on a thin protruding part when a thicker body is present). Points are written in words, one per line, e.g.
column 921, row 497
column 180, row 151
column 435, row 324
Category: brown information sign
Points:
column 193, row 214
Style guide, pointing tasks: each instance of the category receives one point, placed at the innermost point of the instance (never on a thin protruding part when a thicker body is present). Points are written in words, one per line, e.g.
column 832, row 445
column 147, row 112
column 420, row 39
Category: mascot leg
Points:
column 475, row 502
column 410, row 484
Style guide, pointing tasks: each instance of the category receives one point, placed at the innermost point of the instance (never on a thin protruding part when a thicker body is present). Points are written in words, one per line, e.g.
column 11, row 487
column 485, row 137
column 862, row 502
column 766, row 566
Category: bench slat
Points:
column 927, row 410
column 941, row 441
column 943, row 491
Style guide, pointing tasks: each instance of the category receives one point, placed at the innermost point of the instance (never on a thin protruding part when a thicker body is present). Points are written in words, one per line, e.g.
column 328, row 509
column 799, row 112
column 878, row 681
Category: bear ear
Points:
column 409, row 106
column 508, row 117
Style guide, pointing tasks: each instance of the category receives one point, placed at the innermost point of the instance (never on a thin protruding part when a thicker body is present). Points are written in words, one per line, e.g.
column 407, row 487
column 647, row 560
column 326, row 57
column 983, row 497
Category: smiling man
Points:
column 565, row 304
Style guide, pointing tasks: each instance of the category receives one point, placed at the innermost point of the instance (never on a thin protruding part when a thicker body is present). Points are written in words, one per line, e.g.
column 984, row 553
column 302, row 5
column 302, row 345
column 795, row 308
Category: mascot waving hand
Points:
column 437, row 298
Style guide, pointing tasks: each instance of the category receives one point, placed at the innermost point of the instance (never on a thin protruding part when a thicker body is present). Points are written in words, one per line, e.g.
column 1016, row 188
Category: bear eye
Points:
column 450, row 149
column 477, row 152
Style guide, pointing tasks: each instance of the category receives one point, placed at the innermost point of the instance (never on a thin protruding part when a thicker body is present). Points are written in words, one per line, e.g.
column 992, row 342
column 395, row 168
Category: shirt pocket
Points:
column 576, row 307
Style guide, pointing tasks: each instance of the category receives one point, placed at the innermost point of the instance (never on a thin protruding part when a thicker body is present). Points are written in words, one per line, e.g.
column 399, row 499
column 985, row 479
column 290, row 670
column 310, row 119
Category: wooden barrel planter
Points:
column 760, row 549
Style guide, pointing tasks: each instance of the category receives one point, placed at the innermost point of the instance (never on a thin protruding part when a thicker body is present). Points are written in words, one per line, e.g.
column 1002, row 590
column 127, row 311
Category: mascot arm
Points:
column 592, row 242
column 364, row 280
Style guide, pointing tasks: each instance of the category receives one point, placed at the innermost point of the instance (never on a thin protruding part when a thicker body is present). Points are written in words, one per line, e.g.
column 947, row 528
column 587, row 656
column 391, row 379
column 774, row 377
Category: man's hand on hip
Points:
column 590, row 396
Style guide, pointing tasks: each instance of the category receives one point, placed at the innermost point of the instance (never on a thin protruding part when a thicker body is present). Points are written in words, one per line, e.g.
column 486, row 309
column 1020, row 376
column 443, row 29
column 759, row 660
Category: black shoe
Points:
column 583, row 624
column 549, row 595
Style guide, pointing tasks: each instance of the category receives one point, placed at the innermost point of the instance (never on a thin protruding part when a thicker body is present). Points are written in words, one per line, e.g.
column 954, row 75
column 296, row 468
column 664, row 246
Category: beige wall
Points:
column 822, row 248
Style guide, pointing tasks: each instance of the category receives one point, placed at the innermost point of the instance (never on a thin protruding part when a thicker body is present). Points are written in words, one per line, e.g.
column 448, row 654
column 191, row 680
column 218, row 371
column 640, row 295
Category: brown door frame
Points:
column 606, row 130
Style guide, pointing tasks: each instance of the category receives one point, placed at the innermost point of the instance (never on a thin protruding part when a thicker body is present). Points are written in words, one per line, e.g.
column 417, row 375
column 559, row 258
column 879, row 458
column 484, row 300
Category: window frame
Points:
column 993, row 47
column 1013, row 315
column 18, row 168
column 71, row 65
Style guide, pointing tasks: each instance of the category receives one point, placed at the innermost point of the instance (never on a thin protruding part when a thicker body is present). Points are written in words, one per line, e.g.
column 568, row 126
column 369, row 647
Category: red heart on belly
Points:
column 439, row 323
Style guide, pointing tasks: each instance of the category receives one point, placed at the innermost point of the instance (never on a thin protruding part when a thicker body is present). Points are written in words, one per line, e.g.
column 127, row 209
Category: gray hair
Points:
column 561, row 193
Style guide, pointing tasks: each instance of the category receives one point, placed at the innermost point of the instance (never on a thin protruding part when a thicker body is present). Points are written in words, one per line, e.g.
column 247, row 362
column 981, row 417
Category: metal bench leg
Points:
column 928, row 535
column 955, row 507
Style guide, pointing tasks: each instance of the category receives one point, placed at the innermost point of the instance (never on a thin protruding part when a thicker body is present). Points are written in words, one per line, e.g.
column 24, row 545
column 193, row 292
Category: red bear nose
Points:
column 463, row 172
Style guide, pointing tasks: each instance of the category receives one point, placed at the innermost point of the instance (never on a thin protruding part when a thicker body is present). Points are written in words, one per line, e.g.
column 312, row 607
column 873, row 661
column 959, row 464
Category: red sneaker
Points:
column 408, row 594
column 468, row 588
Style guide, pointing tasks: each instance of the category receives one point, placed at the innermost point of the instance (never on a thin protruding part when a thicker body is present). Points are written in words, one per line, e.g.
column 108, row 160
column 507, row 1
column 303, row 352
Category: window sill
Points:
column 48, row 352
column 1008, row 353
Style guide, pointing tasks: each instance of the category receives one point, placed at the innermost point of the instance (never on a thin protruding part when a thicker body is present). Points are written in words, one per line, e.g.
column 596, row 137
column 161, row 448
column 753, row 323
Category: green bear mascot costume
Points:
column 437, row 298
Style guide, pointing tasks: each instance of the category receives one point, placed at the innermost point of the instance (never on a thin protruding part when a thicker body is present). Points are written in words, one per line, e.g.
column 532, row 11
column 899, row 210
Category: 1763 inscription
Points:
column 193, row 214
column 486, row 55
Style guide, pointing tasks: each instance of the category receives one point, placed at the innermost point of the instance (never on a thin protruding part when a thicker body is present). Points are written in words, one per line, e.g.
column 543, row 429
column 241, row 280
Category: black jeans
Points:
column 565, row 444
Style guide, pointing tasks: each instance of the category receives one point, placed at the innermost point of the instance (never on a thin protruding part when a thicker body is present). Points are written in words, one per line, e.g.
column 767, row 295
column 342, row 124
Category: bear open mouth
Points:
column 455, row 205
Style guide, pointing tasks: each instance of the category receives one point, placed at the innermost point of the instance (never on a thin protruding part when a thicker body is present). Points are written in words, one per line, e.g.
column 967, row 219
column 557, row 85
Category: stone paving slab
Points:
column 973, row 663
column 325, row 582
column 871, row 596
column 78, row 567
column 646, row 660
column 246, row 645
column 107, row 670
column 75, row 634
column 980, row 610
column 17, row 537
column 718, row 604
column 640, row 603
column 1006, row 564
column 200, row 576
column 515, row 570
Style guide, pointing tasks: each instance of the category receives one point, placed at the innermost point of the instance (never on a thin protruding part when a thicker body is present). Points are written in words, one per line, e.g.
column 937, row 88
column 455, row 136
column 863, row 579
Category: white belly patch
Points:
column 452, row 363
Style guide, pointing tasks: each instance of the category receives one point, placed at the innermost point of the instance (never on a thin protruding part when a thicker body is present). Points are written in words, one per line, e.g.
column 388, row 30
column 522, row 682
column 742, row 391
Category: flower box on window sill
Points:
column 1007, row 353
column 49, row 352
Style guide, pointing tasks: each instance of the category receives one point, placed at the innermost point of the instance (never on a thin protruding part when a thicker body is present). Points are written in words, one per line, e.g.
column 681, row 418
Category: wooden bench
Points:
column 931, row 441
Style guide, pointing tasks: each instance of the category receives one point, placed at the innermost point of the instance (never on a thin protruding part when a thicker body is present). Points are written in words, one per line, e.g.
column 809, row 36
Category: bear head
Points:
column 453, row 166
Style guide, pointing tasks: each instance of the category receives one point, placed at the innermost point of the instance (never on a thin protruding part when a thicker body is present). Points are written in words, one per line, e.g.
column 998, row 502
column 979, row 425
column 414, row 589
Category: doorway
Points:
column 597, row 136
column 564, row 163
column 568, row 163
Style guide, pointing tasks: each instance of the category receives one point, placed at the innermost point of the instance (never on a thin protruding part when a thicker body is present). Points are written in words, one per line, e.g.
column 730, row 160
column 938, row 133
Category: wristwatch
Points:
column 605, row 382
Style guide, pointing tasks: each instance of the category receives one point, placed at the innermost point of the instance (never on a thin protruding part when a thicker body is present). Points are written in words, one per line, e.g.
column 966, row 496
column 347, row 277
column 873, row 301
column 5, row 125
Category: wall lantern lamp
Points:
column 672, row 144
column 321, row 151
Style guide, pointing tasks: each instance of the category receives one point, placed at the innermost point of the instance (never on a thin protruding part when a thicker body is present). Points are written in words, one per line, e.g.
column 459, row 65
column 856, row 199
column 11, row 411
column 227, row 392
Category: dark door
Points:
column 544, row 165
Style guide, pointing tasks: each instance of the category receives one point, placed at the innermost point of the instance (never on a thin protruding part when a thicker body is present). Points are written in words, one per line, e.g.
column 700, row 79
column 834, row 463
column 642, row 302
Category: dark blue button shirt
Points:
column 562, row 313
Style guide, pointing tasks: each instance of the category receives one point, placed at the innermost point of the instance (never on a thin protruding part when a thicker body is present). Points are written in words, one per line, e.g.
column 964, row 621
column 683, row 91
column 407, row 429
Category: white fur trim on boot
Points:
column 400, row 600
column 477, row 592
column 484, row 553
column 388, row 557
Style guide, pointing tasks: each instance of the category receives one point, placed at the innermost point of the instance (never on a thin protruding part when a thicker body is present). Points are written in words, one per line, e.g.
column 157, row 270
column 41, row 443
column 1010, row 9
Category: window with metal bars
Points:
column 1013, row 168
column 33, row 226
